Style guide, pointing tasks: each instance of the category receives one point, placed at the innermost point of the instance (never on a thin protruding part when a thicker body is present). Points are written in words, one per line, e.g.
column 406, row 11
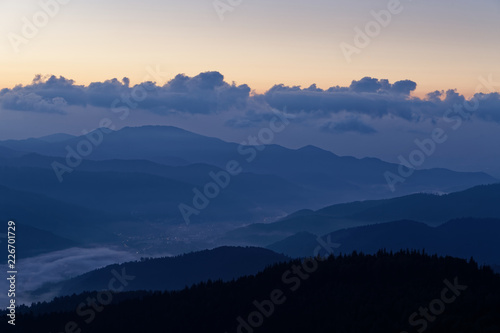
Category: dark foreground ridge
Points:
column 402, row 292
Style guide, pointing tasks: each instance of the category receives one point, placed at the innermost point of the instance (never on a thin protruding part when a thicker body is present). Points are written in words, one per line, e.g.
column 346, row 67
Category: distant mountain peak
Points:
column 158, row 127
column 314, row 149
column 165, row 130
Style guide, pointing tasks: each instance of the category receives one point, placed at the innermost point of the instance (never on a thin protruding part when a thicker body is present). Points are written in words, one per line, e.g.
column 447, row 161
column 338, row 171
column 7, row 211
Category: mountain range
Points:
column 462, row 238
column 141, row 175
column 431, row 209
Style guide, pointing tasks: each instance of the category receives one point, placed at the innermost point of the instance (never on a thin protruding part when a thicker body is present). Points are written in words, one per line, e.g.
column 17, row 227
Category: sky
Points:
column 439, row 44
column 357, row 77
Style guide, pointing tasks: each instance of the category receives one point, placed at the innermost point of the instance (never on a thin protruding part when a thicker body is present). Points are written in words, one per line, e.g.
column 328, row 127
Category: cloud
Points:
column 489, row 107
column 205, row 93
column 377, row 99
column 368, row 96
column 404, row 87
column 372, row 85
column 349, row 125
column 367, row 85
column 28, row 101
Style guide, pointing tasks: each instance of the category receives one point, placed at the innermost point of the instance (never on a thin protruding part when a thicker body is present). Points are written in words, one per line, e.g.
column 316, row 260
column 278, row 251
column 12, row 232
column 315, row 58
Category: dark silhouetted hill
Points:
column 463, row 238
column 175, row 273
column 349, row 294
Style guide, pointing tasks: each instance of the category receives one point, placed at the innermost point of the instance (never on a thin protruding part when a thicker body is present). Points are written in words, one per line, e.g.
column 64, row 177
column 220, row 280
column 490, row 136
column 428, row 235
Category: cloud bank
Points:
column 334, row 110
